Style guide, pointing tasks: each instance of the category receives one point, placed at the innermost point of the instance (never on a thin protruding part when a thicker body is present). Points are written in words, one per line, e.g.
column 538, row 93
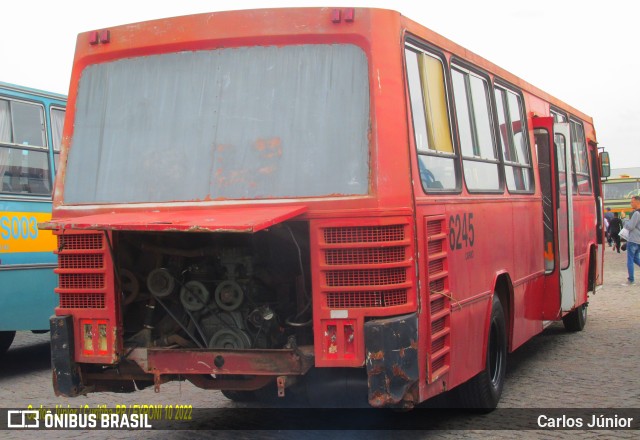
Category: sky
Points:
column 583, row 52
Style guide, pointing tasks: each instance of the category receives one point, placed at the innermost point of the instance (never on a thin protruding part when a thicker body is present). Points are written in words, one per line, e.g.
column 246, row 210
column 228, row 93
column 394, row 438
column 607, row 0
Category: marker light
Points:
column 105, row 36
column 87, row 339
column 331, row 341
column 102, row 339
column 349, row 340
column 102, row 36
column 349, row 15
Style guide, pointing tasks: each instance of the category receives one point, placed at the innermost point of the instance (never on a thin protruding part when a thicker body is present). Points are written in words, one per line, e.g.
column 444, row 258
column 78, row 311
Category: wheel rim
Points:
column 496, row 355
column 583, row 312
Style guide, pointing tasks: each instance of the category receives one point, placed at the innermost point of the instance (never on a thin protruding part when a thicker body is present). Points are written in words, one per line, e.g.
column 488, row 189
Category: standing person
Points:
column 608, row 216
column 615, row 225
column 633, row 243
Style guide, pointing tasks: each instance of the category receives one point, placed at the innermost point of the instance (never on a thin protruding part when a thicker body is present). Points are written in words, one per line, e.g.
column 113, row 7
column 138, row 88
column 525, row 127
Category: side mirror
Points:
column 605, row 170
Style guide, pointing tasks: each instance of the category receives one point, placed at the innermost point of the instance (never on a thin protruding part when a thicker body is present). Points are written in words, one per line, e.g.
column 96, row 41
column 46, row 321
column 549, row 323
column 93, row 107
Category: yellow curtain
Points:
column 435, row 98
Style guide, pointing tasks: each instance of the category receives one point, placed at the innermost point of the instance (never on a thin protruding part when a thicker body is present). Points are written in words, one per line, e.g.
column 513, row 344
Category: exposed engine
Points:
column 215, row 290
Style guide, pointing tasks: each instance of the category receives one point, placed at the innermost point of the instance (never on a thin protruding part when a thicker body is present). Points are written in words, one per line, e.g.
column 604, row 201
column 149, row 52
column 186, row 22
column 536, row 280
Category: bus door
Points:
column 562, row 148
column 596, row 181
column 554, row 166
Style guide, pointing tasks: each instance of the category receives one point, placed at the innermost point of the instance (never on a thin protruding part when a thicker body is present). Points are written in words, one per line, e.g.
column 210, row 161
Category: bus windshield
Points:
column 621, row 190
column 234, row 123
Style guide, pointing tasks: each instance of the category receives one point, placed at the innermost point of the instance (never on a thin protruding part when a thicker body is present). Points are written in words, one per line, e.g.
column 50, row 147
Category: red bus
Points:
column 288, row 198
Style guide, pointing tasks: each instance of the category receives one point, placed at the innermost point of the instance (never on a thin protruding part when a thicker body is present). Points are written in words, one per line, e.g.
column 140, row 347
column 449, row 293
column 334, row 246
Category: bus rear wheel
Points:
column 6, row 338
column 265, row 394
column 482, row 392
column 575, row 321
column 240, row 396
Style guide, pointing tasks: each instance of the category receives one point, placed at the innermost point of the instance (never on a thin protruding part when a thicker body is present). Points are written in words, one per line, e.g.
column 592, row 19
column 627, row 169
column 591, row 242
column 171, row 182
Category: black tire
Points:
column 240, row 396
column 6, row 338
column 265, row 394
column 575, row 320
column 482, row 392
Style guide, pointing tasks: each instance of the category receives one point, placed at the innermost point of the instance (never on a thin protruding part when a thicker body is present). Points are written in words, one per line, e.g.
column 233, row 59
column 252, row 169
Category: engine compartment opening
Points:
column 215, row 290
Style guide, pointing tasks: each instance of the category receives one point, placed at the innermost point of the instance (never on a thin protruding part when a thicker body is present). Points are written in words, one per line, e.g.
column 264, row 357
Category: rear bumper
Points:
column 162, row 364
column 391, row 364
column 162, row 361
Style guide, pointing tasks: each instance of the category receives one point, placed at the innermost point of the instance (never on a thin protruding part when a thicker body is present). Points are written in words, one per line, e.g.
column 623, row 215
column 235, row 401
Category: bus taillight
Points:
column 94, row 337
column 349, row 340
column 339, row 339
column 331, row 341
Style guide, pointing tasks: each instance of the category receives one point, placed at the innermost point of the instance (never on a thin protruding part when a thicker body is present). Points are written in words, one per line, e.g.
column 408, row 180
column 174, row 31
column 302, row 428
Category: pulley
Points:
column 161, row 282
column 229, row 338
column 194, row 296
column 229, row 295
column 129, row 285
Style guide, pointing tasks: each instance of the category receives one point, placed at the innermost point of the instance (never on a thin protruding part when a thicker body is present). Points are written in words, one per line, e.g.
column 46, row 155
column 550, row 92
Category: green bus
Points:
column 617, row 192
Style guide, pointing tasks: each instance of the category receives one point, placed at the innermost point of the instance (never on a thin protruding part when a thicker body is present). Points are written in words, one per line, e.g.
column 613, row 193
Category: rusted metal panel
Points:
column 236, row 219
column 391, row 358
column 66, row 376
column 253, row 362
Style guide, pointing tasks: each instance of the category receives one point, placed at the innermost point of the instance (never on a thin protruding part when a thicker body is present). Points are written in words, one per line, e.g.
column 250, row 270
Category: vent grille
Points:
column 372, row 277
column 437, row 326
column 436, row 286
column 80, row 242
column 438, row 364
column 82, row 270
column 434, row 227
column 81, row 261
column 82, row 300
column 434, row 247
column 371, row 263
column 346, row 300
column 87, row 292
column 82, row 281
column 394, row 254
column 439, row 303
column 437, row 345
column 364, row 234
column 436, row 266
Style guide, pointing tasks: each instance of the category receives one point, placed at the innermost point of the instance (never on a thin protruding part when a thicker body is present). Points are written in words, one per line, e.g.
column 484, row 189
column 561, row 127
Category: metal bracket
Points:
column 281, row 381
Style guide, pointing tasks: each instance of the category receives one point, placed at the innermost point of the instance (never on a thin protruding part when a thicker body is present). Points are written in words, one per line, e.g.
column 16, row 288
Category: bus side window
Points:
column 57, row 124
column 477, row 142
column 517, row 160
column 24, row 159
column 5, row 138
column 432, row 129
column 580, row 158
